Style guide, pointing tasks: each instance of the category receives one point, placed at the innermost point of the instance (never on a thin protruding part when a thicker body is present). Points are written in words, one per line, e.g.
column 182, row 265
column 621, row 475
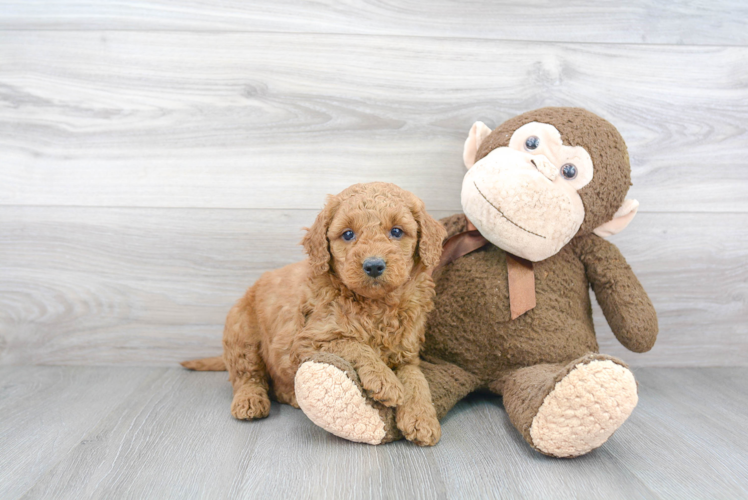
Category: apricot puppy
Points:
column 362, row 296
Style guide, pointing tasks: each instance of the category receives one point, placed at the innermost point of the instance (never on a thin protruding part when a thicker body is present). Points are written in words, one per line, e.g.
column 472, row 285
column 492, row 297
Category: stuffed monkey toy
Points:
column 512, row 311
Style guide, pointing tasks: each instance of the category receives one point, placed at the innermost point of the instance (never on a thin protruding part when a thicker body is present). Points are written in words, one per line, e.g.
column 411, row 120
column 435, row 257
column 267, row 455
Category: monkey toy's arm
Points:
column 624, row 302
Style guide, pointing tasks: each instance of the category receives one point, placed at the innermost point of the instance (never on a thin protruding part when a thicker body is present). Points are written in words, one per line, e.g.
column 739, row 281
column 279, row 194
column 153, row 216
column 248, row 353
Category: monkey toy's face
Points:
column 525, row 191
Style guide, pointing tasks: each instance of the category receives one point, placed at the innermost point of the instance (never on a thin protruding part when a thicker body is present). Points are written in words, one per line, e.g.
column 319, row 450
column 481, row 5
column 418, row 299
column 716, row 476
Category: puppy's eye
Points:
column 396, row 233
column 348, row 235
column 532, row 143
column 569, row 171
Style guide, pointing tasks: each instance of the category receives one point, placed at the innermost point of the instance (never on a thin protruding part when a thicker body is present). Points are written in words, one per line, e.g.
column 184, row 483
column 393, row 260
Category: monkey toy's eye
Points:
column 348, row 235
column 569, row 171
column 396, row 233
column 532, row 143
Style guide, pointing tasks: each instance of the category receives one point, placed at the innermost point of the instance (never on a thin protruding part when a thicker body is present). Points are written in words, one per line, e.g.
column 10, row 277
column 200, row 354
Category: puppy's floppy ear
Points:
column 431, row 234
column 315, row 241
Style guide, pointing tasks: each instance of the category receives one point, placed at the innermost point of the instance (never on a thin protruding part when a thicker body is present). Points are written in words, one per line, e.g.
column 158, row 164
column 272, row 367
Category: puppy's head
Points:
column 373, row 237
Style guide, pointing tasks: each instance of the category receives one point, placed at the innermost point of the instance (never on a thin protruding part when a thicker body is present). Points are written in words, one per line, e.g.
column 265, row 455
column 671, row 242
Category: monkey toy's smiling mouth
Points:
column 504, row 215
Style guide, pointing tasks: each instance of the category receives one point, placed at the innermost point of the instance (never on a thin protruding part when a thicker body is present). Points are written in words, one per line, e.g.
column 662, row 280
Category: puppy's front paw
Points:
column 382, row 385
column 419, row 424
column 250, row 404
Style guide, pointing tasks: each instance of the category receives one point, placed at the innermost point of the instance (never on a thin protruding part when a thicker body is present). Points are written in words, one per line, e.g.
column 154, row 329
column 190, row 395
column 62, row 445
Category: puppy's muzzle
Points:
column 374, row 266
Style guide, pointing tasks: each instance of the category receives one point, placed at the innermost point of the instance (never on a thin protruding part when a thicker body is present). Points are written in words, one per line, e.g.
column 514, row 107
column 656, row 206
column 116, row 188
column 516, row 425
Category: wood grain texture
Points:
column 47, row 412
column 636, row 21
column 173, row 437
column 152, row 286
column 157, row 156
column 262, row 120
column 672, row 404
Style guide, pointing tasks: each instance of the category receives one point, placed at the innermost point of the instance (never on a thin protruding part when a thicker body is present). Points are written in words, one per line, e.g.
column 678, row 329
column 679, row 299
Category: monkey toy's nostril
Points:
column 374, row 266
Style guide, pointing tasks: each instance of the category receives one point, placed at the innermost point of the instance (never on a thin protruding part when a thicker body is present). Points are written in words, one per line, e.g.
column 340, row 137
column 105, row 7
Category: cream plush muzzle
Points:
column 518, row 197
column 509, row 196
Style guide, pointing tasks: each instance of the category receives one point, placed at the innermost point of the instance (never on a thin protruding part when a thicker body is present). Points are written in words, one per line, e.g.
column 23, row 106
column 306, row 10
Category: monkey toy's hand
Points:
column 624, row 302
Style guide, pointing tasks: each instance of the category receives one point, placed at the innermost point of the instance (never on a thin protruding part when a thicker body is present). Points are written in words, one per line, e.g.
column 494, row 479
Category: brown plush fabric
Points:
column 470, row 326
column 626, row 306
column 388, row 417
column 578, row 127
column 525, row 389
column 470, row 329
column 450, row 382
column 472, row 344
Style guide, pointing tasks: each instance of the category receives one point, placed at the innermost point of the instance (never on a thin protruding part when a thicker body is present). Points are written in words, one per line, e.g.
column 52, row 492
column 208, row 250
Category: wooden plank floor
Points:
column 87, row 432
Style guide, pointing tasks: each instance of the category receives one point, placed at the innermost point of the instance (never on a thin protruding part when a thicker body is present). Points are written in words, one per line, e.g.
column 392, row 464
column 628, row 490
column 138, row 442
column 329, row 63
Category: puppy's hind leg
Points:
column 247, row 371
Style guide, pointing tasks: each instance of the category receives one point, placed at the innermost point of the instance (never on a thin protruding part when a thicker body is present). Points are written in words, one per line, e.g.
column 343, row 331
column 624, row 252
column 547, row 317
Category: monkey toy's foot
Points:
column 569, row 411
column 584, row 409
column 329, row 392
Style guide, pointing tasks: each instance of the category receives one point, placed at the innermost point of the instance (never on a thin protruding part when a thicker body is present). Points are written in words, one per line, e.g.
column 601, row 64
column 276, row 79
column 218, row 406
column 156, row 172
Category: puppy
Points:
column 363, row 294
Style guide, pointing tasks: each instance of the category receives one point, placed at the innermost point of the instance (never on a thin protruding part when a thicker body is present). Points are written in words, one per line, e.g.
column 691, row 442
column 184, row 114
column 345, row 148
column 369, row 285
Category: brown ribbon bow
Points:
column 519, row 271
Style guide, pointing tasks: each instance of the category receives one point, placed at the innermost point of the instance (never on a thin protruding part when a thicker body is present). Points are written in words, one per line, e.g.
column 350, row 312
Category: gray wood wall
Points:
column 156, row 157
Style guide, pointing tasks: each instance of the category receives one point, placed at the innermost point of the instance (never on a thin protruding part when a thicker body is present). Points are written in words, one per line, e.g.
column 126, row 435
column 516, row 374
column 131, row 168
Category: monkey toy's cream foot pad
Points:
column 328, row 396
column 584, row 409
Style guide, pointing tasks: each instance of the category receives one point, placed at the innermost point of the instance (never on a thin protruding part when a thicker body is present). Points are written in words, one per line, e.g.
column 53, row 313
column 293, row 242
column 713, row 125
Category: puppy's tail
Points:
column 214, row 364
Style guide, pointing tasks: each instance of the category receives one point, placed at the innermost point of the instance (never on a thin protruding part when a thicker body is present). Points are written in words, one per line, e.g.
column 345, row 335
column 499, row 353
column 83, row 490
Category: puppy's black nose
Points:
column 374, row 266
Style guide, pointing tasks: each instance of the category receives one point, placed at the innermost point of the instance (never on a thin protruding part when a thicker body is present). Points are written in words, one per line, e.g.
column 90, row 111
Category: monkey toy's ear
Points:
column 478, row 132
column 620, row 220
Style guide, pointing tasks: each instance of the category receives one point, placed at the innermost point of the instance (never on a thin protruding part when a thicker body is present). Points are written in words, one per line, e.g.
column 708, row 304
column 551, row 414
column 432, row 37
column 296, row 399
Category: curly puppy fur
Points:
column 328, row 303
